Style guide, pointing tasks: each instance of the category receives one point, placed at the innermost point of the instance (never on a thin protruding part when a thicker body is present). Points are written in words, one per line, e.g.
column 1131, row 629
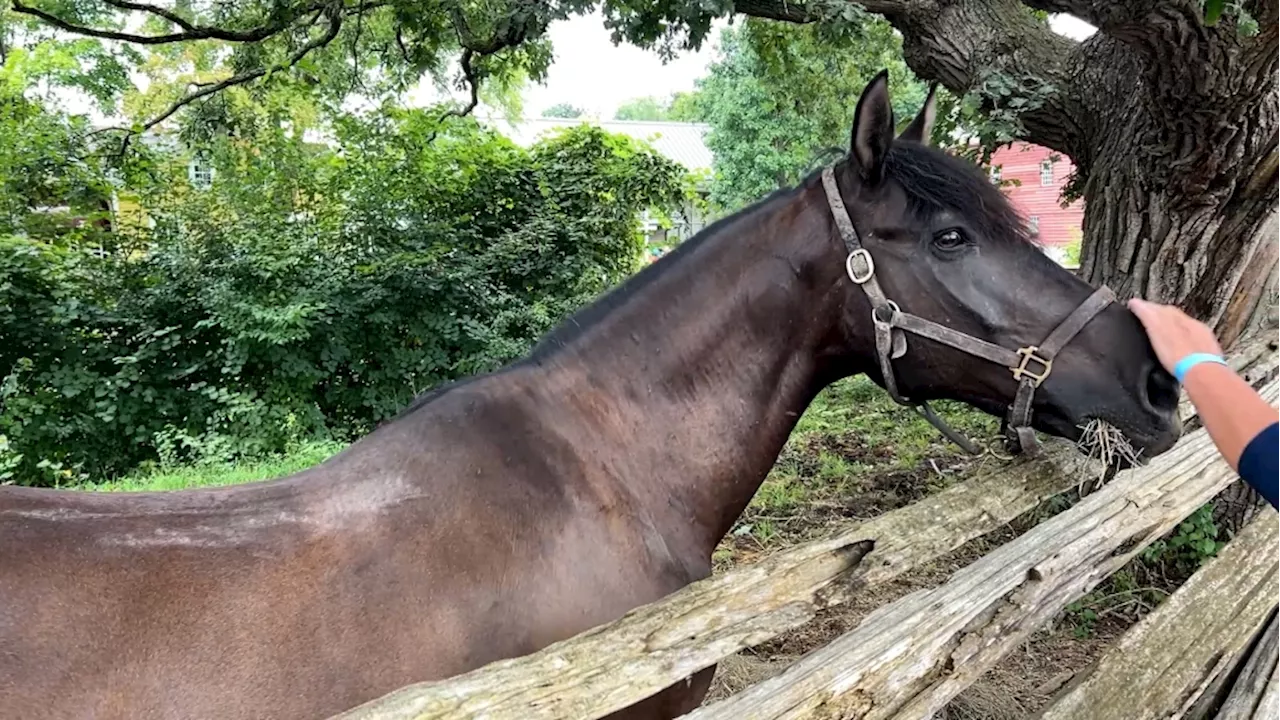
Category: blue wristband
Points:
column 1185, row 364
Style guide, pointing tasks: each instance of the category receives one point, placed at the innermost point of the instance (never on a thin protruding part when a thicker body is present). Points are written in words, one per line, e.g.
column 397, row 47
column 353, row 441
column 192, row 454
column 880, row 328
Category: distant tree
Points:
column 562, row 110
column 685, row 107
column 779, row 96
column 645, row 108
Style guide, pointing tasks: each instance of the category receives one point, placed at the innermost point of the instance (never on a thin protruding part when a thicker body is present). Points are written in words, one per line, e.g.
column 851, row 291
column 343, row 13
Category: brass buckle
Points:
column 1028, row 355
column 853, row 273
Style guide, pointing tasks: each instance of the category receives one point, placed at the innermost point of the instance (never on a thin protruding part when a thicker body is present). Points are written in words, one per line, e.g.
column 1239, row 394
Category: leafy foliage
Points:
column 1193, row 543
column 330, row 50
column 308, row 292
column 685, row 107
column 681, row 107
column 645, row 108
column 562, row 110
column 781, row 95
column 1215, row 10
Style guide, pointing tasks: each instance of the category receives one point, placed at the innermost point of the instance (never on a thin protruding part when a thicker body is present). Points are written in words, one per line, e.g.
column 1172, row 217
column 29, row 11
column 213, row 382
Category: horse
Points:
column 514, row 509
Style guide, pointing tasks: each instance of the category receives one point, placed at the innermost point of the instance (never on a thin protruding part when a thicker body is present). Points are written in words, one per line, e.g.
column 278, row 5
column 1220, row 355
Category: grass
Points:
column 219, row 474
column 854, row 453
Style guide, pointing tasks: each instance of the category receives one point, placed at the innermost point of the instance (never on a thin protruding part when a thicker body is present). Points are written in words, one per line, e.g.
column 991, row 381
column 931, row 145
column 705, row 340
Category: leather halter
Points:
column 1030, row 365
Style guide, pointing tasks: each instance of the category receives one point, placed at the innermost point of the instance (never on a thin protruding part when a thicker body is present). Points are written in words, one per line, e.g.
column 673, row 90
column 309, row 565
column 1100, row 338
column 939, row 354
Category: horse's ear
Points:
column 872, row 129
column 921, row 128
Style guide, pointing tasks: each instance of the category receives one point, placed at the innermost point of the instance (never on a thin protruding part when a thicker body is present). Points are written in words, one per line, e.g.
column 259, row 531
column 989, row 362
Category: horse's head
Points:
column 949, row 248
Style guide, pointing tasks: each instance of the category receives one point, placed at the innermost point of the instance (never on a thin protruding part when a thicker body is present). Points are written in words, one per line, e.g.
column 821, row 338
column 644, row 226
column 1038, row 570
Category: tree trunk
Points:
column 1217, row 261
column 1181, row 207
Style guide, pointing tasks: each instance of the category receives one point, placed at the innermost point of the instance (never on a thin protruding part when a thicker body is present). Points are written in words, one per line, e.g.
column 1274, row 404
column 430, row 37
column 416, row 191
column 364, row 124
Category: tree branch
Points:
column 1087, row 10
column 508, row 35
column 335, row 16
column 471, row 76
column 962, row 44
column 165, row 13
column 771, row 10
column 1170, row 35
column 190, row 31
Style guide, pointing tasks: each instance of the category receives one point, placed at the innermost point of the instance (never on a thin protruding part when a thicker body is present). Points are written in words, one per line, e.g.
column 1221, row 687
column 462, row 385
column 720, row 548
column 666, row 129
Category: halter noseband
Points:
column 1030, row 365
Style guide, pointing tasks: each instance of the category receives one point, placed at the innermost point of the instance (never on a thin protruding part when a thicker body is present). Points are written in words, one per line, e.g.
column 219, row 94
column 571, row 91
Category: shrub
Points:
column 308, row 292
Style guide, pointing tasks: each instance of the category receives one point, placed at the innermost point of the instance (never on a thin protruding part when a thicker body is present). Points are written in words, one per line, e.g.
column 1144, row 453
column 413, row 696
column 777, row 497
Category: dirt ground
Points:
column 837, row 472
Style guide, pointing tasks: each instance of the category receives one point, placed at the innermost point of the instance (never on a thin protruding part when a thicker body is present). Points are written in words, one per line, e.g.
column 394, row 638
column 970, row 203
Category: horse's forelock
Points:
column 934, row 181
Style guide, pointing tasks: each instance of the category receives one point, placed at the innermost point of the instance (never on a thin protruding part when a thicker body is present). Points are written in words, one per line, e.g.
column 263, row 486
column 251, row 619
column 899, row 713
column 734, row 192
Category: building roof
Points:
column 680, row 142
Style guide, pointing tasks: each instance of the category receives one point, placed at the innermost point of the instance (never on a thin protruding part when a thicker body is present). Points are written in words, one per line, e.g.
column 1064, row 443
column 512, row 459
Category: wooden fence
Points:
column 911, row 657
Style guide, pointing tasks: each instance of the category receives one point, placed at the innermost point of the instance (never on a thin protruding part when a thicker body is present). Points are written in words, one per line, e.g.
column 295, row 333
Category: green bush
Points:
column 309, row 292
column 1071, row 251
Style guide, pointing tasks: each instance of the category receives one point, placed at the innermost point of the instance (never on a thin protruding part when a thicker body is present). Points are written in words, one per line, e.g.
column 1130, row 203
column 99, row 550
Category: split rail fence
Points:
column 1209, row 651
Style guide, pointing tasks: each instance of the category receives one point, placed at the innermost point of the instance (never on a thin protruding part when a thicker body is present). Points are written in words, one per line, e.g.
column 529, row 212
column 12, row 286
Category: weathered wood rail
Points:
column 1168, row 660
column 906, row 659
column 1255, row 694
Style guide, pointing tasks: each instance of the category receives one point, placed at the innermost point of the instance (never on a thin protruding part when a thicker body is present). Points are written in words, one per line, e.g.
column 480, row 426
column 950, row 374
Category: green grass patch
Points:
column 855, row 442
column 779, row 493
column 219, row 474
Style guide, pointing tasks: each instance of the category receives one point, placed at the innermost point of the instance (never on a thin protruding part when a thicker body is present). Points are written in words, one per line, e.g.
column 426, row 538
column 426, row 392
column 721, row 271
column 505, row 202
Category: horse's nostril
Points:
column 1161, row 390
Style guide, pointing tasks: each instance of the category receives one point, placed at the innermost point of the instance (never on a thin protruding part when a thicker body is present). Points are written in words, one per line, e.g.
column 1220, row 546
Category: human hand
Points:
column 1173, row 333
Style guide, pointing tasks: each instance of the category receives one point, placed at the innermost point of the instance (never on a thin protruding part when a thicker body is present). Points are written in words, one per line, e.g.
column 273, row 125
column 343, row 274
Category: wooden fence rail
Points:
column 1255, row 693
column 1165, row 663
column 656, row 646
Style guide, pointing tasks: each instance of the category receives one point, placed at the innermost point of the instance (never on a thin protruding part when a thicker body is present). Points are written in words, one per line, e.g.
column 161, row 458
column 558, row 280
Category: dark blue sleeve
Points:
column 1258, row 463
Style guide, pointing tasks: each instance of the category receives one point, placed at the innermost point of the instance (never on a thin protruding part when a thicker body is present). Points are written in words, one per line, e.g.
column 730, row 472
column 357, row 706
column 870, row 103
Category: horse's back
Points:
column 460, row 534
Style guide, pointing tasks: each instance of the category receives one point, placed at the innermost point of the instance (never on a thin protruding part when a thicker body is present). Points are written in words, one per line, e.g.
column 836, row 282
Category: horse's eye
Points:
column 950, row 239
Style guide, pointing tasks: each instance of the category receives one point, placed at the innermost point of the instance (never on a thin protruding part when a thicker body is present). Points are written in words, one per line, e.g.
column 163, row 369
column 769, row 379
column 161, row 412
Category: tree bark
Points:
column 1180, row 196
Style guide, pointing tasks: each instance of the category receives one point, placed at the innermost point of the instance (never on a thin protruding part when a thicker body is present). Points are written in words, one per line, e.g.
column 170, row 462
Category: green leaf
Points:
column 1213, row 11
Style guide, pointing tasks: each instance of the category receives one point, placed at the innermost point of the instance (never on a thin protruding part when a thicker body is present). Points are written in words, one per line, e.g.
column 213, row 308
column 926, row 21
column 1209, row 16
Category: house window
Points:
column 995, row 174
column 200, row 172
column 1033, row 224
column 1046, row 173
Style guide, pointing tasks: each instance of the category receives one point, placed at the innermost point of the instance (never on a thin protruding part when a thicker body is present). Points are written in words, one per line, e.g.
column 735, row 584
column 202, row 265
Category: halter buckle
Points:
column 1023, row 369
column 862, row 255
column 894, row 312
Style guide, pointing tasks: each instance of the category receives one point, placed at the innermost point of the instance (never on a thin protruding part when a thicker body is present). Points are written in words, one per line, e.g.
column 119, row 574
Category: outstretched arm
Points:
column 1241, row 423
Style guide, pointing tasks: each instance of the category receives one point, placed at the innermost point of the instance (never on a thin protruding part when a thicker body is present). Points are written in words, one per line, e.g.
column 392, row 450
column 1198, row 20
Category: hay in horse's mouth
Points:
column 1104, row 442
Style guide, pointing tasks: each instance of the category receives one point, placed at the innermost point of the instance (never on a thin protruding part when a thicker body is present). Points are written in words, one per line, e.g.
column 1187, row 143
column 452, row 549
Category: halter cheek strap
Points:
column 1030, row 365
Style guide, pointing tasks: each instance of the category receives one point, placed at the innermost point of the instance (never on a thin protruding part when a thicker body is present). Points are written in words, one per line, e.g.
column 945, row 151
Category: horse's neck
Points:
column 701, row 372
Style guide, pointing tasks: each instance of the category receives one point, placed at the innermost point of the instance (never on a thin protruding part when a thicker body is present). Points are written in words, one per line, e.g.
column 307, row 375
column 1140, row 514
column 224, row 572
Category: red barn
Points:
column 1040, row 174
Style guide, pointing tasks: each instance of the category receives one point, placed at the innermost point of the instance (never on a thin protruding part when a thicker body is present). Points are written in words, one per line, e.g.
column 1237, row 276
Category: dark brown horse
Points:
column 509, row 511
